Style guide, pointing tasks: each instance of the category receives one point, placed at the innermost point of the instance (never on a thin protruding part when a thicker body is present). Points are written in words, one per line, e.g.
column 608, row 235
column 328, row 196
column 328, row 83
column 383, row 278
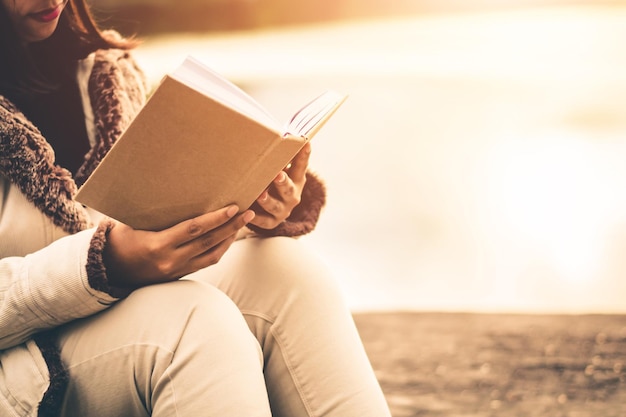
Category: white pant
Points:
column 264, row 329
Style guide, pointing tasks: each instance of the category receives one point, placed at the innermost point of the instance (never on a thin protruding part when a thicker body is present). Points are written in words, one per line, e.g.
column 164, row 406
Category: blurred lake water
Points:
column 478, row 164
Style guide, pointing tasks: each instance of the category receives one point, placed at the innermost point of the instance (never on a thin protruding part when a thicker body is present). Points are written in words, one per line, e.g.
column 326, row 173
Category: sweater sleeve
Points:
column 53, row 286
column 304, row 217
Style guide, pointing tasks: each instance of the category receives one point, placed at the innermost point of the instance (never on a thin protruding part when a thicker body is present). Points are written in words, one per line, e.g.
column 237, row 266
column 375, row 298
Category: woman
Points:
column 95, row 318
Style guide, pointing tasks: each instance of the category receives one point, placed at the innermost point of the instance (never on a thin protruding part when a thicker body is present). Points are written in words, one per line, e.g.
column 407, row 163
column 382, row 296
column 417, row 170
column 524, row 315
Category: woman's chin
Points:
column 39, row 32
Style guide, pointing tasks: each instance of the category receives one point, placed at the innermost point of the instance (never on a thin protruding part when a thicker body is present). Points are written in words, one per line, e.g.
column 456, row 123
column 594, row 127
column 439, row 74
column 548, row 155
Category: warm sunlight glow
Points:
column 478, row 163
column 557, row 194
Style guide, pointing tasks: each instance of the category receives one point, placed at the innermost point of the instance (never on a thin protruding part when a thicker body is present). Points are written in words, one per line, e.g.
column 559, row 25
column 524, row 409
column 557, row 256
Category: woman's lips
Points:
column 47, row 15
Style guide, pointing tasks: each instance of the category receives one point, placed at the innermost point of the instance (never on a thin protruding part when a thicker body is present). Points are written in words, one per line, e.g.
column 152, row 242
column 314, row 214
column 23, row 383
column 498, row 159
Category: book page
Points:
column 309, row 118
column 208, row 82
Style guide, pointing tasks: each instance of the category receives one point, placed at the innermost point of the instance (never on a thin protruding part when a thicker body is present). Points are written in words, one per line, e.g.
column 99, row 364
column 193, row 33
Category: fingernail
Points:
column 248, row 216
column 232, row 210
column 263, row 196
column 282, row 177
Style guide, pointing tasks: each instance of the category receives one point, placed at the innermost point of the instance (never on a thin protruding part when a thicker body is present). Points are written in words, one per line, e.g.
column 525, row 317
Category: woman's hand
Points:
column 135, row 258
column 285, row 192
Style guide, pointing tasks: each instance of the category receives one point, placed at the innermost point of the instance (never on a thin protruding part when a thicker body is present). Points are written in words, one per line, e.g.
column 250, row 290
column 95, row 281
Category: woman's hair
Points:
column 76, row 36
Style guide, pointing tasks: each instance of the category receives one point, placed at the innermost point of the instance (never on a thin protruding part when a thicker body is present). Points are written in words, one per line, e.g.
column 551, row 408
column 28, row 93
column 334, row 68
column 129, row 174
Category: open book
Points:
column 200, row 143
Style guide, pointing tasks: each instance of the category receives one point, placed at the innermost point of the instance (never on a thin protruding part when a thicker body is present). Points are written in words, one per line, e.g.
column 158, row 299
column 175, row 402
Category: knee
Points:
column 184, row 330
column 290, row 270
column 171, row 312
column 178, row 297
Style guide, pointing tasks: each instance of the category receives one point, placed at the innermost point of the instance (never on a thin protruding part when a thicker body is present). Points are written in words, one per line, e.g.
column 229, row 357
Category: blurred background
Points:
column 479, row 162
